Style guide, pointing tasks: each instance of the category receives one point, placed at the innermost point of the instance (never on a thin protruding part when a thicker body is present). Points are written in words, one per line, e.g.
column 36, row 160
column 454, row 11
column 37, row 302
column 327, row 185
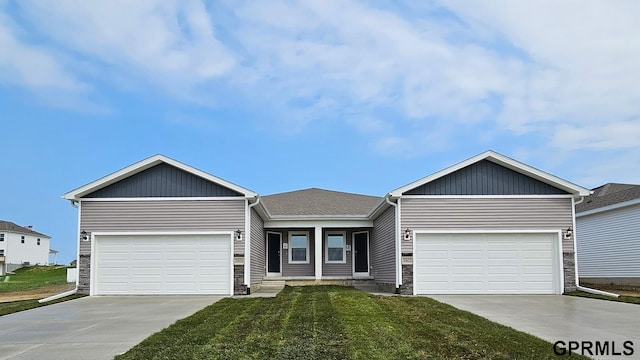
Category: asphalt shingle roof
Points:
column 609, row 194
column 8, row 226
column 319, row 202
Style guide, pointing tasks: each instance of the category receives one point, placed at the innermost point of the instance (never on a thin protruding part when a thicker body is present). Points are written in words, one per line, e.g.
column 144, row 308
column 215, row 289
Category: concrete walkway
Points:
column 98, row 327
column 558, row 318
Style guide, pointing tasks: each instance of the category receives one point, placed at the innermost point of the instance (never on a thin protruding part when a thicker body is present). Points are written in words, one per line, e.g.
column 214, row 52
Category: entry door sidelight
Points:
column 274, row 241
column 361, row 252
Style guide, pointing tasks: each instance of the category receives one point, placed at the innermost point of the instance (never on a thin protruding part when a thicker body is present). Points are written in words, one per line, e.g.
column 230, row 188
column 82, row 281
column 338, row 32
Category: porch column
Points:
column 318, row 251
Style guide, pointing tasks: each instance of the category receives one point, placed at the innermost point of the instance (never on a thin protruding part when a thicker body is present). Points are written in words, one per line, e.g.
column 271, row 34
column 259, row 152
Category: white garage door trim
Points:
column 93, row 276
column 558, row 269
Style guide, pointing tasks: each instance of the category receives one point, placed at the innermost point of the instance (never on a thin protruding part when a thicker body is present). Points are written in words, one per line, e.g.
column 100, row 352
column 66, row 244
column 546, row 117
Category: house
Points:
column 608, row 228
column 489, row 224
column 20, row 245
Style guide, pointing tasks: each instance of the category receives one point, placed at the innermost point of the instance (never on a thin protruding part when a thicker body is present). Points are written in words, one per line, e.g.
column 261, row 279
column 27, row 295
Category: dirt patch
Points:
column 36, row 293
column 627, row 290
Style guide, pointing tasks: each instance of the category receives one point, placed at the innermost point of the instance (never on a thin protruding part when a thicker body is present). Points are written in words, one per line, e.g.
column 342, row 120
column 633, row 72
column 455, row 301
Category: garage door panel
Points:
column 154, row 265
column 486, row 263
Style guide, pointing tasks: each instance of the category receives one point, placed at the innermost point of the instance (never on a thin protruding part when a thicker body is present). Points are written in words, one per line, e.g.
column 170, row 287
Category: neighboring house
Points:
column 20, row 245
column 488, row 225
column 608, row 235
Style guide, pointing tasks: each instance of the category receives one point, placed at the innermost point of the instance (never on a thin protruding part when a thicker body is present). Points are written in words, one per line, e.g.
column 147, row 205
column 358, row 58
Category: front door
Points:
column 361, row 253
column 274, row 241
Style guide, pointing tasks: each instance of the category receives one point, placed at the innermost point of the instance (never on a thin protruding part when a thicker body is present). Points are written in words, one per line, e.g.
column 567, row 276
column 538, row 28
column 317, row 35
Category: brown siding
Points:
column 258, row 249
column 299, row 269
column 163, row 215
column 334, row 269
column 382, row 247
column 486, row 214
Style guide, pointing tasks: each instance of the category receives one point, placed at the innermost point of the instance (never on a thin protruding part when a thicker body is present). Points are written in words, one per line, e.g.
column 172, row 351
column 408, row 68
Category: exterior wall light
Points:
column 83, row 236
column 238, row 235
column 407, row 234
column 568, row 233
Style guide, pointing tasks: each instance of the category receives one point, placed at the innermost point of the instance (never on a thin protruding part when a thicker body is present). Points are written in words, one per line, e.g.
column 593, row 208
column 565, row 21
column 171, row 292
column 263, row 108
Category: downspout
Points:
column 575, row 246
column 397, row 236
column 75, row 204
column 247, row 246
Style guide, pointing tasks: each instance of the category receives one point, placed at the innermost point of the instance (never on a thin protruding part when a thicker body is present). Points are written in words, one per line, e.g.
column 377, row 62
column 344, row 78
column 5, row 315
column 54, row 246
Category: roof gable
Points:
column 504, row 162
column 485, row 178
column 318, row 202
column 159, row 176
column 163, row 180
column 8, row 226
column 608, row 195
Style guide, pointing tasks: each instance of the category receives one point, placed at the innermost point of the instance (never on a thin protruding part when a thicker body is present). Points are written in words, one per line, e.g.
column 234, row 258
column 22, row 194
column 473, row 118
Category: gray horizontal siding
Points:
column 382, row 247
column 486, row 214
column 299, row 269
column 258, row 248
column 164, row 215
column 163, row 180
column 609, row 243
column 485, row 178
column 333, row 269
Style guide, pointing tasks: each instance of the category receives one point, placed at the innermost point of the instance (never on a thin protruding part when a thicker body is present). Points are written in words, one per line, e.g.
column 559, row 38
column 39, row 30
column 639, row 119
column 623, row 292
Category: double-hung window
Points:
column 22, row 239
column 298, row 248
column 1, row 237
column 335, row 250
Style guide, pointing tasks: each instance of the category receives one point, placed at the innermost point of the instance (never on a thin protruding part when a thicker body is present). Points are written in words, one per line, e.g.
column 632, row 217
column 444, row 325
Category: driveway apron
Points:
column 558, row 318
column 98, row 327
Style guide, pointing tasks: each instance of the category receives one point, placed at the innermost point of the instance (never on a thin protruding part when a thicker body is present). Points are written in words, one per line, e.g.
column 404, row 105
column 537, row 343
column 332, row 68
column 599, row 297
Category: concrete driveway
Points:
column 93, row 327
column 558, row 318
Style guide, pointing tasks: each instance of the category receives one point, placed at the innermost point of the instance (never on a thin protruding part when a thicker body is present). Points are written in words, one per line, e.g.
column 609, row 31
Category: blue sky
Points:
column 357, row 96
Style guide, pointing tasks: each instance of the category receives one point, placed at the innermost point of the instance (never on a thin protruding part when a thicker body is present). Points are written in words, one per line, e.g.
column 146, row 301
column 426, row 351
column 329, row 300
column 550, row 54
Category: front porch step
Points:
column 366, row 285
column 272, row 285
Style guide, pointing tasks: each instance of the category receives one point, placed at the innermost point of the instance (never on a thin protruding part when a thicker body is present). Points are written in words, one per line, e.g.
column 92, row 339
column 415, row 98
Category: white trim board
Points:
column 608, row 208
column 195, row 198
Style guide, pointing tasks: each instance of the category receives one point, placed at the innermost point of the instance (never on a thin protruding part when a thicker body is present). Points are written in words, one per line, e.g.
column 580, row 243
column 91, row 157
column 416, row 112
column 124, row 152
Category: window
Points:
column 1, row 252
column 1, row 237
column 22, row 239
column 335, row 250
column 38, row 242
column 298, row 248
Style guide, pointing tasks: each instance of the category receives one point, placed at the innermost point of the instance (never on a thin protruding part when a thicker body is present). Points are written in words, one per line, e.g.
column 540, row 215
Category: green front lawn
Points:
column 333, row 322
column 21, row 305
column 33, row 277
column 621, row 298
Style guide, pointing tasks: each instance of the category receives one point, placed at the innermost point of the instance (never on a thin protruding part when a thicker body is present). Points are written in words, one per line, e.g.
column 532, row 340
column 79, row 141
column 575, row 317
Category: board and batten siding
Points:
column 609, row 243
column 162, row 215
column 486, row 214
column 382, row 247
column 258, row 248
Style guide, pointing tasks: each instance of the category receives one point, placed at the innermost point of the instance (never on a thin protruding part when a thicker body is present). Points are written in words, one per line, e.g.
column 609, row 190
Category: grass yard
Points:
column 15, row 306
column 333, row 322
column 621, row 298
column 33, row 277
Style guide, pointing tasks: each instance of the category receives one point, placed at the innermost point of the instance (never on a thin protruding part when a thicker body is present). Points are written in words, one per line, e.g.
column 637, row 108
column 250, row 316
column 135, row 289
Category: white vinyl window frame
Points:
column 1, row 237
column 343, row 234
column 291, row 247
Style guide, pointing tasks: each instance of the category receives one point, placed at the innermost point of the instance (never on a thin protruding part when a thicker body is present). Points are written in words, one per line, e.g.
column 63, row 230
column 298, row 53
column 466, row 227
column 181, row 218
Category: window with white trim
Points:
column 1, row 237
column 1, row 252
column 335, row 247
column 38, row 242
column 22, row 239
column 298, row 248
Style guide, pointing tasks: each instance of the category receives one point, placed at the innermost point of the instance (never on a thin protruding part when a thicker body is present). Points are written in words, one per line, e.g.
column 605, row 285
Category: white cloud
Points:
column 167, row 44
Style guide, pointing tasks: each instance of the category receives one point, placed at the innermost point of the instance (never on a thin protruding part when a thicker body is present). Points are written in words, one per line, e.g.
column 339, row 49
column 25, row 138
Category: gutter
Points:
column 398, row 245
column 578, row 287
column 59, row 296
column 247, row 246
column 597, row 292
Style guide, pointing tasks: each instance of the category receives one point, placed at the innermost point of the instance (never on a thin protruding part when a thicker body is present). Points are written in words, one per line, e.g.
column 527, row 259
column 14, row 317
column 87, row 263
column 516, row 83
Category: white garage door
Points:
column 162, row 264
column 487, row 264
